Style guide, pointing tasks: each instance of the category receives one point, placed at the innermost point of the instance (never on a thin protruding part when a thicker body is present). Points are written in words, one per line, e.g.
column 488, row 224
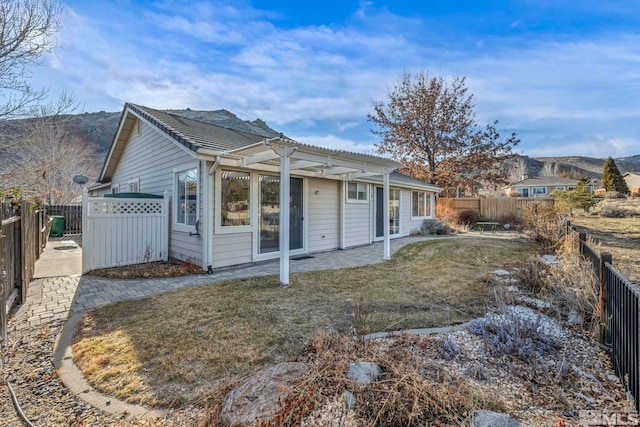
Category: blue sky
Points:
column 564, row 75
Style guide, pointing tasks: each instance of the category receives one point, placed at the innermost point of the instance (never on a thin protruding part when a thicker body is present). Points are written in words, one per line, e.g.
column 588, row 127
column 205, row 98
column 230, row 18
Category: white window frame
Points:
column 178, row 226
column 231, row 229
column 359, row 185
column 115, row 188
column 536, row 194
column 136, row 185
column 426, row 201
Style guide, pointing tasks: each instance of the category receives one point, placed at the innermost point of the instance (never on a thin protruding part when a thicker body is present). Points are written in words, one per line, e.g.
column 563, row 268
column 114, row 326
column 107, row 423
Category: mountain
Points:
column 571, row 166
column 100, row 128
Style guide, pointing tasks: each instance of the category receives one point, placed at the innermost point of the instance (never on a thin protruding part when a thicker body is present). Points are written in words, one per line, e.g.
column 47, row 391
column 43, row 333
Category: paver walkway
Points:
column 55, row 298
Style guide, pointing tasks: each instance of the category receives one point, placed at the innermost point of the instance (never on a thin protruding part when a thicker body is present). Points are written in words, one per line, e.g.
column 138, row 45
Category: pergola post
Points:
column 385, row 216
column 285, row 192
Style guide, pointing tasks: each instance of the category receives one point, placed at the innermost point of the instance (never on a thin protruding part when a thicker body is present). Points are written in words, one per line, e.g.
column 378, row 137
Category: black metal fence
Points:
column 619, row 316
column 72, row 217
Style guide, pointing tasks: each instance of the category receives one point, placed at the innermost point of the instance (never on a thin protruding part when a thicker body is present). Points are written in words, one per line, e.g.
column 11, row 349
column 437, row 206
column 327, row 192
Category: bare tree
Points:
column 26, row 33
column 44, row 152
column 429, row 125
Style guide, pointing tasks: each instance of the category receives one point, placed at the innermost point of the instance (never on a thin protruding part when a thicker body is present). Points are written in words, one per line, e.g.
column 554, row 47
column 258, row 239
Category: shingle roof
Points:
column 195, row 134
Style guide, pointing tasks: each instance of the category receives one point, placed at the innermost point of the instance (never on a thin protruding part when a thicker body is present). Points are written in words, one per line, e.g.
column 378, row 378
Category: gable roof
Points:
column 238, row 148
column 544, row 182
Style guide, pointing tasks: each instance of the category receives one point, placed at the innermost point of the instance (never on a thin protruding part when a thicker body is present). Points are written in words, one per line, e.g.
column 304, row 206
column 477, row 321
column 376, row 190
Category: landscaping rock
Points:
column 259, row 397
column 363, row 372
column 349, row 399
column 484, row 418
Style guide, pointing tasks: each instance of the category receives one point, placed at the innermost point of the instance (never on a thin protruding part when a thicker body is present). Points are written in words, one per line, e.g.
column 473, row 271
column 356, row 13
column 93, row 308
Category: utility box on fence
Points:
column 57, row 226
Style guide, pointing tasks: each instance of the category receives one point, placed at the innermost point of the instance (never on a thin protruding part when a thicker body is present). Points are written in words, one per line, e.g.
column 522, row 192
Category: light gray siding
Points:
column 358, row 223
column 323, row 220
column 150, row 157
column 408, row 226
column 232, row 249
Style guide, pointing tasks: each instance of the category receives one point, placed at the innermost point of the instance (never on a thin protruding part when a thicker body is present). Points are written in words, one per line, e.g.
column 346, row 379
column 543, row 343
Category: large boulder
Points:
column 484, row 418
column 259, row 397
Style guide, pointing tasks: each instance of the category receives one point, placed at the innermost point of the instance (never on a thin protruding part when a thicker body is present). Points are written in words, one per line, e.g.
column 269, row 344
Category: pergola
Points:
column 288, row 157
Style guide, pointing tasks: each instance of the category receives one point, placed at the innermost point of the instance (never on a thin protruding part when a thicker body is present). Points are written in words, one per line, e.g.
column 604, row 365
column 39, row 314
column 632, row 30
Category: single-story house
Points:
column 541, row 187
column 633, row 181
column 225, row 190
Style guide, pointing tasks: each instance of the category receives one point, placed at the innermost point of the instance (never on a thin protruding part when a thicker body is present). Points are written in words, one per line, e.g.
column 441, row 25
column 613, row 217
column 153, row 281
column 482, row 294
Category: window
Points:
column 523, row 192
column 420, row 204
column 134, row 185
column 561, row 187
column 235, row 190
column 186, row 199
column 539, row 191
column 357, row 191
column 115, row 189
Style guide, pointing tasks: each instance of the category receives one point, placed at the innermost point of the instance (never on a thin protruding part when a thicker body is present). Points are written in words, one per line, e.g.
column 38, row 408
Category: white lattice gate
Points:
column 123, row 231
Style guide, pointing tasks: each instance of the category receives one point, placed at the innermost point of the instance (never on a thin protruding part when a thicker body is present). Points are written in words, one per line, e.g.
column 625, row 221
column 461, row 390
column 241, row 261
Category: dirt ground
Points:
column 618, row 236
column 171, row 268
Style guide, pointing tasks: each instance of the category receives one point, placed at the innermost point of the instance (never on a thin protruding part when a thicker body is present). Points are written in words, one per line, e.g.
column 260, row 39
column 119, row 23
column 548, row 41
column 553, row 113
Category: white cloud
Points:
column 558, row 94
column 335, row 143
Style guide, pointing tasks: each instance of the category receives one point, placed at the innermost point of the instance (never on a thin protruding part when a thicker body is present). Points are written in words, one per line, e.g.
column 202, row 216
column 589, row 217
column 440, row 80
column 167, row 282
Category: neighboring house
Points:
column 541, row 187
column 225, row 190
column 633, row 181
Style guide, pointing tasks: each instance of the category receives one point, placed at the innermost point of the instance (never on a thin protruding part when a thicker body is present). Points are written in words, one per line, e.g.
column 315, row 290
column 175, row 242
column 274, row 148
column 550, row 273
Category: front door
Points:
column 394, row 212
column 269, row 220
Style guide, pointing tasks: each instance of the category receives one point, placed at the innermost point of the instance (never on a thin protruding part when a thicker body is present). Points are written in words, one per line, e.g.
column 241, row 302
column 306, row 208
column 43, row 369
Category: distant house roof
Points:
column 544, row 182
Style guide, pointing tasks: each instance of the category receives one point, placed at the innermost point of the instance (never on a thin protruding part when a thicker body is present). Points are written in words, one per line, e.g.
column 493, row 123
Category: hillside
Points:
column 100, row 128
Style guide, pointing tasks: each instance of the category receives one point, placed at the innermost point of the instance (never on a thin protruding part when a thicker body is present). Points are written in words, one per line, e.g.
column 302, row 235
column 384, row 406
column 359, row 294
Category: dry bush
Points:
column 613, row 195
column 545, row 223
column 468, row 217
column 445, row 212
column 411, row 390
column 531, row 275
column 434, row 227
column 572, row 287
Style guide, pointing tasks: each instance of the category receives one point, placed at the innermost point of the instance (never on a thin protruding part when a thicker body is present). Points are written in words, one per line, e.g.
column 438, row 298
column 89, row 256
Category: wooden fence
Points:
column 619, row 310
column 503, row 209
column 23, row 235
column 72, row 217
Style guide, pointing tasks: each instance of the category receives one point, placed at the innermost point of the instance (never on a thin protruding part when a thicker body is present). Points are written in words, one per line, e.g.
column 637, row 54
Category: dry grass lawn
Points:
column 618, row 236
column 171, row 349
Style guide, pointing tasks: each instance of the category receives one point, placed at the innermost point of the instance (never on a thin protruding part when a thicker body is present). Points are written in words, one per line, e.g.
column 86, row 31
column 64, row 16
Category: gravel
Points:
column 43, row 397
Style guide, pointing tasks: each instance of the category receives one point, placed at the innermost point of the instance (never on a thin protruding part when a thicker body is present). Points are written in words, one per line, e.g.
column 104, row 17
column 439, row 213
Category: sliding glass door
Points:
column 269, row 220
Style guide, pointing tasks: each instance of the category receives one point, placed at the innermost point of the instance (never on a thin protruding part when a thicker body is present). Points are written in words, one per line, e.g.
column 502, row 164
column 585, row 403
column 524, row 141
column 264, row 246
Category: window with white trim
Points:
column 134, row 185
column 115, row 189
column 357, row 192
column 420, row 204
column 186, row 198
column 539, row 191
column 235, row 203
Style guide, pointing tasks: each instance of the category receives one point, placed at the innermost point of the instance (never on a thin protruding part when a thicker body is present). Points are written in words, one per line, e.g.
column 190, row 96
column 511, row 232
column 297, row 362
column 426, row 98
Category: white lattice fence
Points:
column 119, row 231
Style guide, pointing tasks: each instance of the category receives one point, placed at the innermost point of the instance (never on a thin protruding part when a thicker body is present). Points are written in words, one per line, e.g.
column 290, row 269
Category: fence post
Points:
column 604, row 258
column 87, row 245
column 165, row 229
column 583, row 238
